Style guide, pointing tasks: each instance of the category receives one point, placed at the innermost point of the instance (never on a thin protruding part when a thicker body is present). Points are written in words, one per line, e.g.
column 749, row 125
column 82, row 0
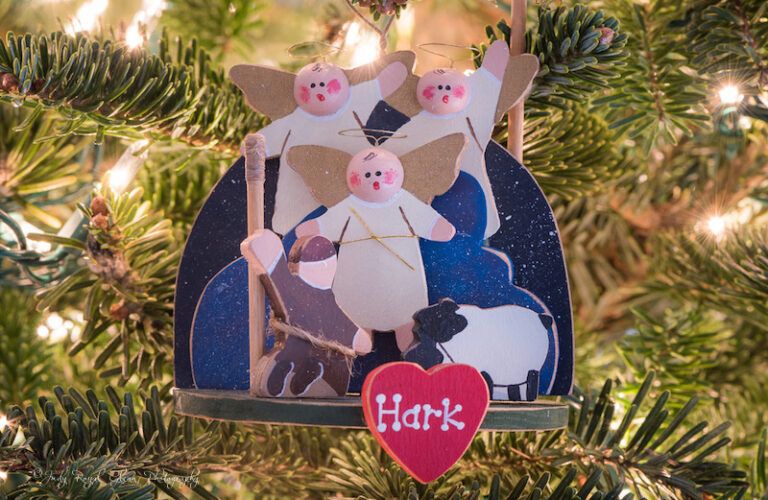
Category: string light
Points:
column 55, row 328
column 87, row 16
column 730, row 94
column 150, row 10
column 124, row 171
column 365, row 42
column 717, row 226
column 3, row 475
column 3, row 422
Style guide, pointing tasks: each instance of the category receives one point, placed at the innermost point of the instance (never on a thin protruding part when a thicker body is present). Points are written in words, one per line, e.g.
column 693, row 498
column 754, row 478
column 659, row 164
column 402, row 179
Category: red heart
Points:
column 424, row 451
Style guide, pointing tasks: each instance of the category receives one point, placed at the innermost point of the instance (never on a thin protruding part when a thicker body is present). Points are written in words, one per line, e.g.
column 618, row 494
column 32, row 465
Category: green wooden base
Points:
column 347, row 412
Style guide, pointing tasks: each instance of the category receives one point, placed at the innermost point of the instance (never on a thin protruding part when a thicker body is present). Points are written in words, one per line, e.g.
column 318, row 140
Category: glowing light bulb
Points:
column 87, row 16
column 3, row 475
column 716, row 225
column 3, row 422
column 124, row 171
column 745, row 122
column 730, row 94
column 133, row 36
column 366, row 44
column 43, row 332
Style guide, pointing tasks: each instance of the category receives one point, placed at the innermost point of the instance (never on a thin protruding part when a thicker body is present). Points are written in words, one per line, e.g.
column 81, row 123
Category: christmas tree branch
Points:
column 103, row 87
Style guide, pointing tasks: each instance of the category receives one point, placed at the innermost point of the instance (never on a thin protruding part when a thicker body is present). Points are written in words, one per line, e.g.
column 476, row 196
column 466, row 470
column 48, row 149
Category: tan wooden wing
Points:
column 268, row 90
column 324, row 171
column 518, row 78
column 404, row 98
column 431, row 170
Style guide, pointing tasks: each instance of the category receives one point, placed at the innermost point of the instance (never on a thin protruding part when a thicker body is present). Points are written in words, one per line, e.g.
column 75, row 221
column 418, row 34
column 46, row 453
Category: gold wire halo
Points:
column 471, row 51
column 312, row 50
column 364, row 132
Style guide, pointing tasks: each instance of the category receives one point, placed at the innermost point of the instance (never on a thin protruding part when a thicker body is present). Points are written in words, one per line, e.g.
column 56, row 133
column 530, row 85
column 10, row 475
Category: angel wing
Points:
column 267, row 90
column 431, row 170
column 404, row 98
column 324, row 171
column 518, row 78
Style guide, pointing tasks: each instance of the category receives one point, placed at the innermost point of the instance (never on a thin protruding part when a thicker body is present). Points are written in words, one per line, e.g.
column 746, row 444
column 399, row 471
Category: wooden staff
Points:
column 255, row 156
column 517, row 47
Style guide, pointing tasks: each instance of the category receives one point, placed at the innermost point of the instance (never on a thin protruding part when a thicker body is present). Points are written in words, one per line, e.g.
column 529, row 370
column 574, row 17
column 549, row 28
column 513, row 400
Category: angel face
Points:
column 321, row 89
column 443, row 91
column 374, row 175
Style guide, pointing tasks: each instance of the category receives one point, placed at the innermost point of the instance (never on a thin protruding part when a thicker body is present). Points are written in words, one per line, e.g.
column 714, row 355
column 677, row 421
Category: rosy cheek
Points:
column 304, row 94
column 390, row 176
column 334, row 86
column 429, row 92
column 354, row 179
column 459, row 91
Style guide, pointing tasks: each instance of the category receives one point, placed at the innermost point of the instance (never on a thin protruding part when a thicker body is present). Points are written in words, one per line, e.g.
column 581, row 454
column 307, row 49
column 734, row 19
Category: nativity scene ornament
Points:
column 398, row 241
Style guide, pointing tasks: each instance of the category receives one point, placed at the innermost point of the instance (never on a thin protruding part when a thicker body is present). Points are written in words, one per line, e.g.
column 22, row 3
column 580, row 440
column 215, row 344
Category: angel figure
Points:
column 450, row 101
column 378, row 209
column 310, row 107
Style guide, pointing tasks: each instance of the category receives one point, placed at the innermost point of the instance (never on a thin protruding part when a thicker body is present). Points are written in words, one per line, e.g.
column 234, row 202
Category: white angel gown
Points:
column 380, row 282
column 293, row 200
column 475, row 121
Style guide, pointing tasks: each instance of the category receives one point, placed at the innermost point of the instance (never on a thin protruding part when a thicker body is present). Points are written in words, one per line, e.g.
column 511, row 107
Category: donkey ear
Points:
column 518, row 78
column 268, row 90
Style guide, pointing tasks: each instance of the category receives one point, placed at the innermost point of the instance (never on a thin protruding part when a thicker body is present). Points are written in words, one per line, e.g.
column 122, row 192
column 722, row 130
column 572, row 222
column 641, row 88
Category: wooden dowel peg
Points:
column 517, row 47
column 254, row 150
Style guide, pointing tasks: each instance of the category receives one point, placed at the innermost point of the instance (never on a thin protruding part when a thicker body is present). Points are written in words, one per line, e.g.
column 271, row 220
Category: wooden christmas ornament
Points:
column 453, row 102
column 315, row 347
column 507, row 344
column 378, row 208
column 311, row 107
column 424, row 419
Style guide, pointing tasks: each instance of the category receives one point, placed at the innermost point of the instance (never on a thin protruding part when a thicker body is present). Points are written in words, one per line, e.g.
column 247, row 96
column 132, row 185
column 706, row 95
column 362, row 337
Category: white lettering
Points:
column 380, row 400
column 413, row 412
column 447, row 414
column 427, row 412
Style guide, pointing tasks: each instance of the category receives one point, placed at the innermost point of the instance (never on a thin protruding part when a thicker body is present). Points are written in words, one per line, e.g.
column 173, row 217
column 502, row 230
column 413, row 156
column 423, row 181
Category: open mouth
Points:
column 445, row 99
column 376, row 185
column 320, row 97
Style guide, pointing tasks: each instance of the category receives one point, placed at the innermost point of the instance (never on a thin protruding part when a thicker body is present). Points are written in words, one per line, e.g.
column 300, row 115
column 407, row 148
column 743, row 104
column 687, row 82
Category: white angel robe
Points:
column 475, row 121
column 293, row 200
column 379, row 283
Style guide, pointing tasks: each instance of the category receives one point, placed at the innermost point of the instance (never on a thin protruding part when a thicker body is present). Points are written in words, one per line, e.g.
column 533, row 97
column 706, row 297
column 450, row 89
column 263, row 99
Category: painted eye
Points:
column 378, row 173
column 322, row 84
column 367, row 175
column 312, row 86
column 447, row 87
column 439, row 87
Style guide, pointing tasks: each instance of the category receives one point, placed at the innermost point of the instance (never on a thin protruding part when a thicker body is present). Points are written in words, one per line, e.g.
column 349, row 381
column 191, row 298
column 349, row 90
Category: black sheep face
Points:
column 439, row 322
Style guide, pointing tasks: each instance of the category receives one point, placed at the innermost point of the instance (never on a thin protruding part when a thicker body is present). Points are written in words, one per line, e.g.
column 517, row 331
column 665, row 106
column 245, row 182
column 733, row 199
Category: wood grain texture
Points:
column 323, row 169
column 431, row 170
column 424, row 419
column 267, row 90
column 346, row 412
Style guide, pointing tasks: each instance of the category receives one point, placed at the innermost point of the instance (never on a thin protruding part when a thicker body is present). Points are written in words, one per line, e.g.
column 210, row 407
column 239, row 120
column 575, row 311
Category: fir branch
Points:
column 579, row 50
column 221, row 27
column 729, row 39
column 659, row 100
column 25, row 358
column 93, row 449
column 131, row 263
column 729, row 276
column 102, row 87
